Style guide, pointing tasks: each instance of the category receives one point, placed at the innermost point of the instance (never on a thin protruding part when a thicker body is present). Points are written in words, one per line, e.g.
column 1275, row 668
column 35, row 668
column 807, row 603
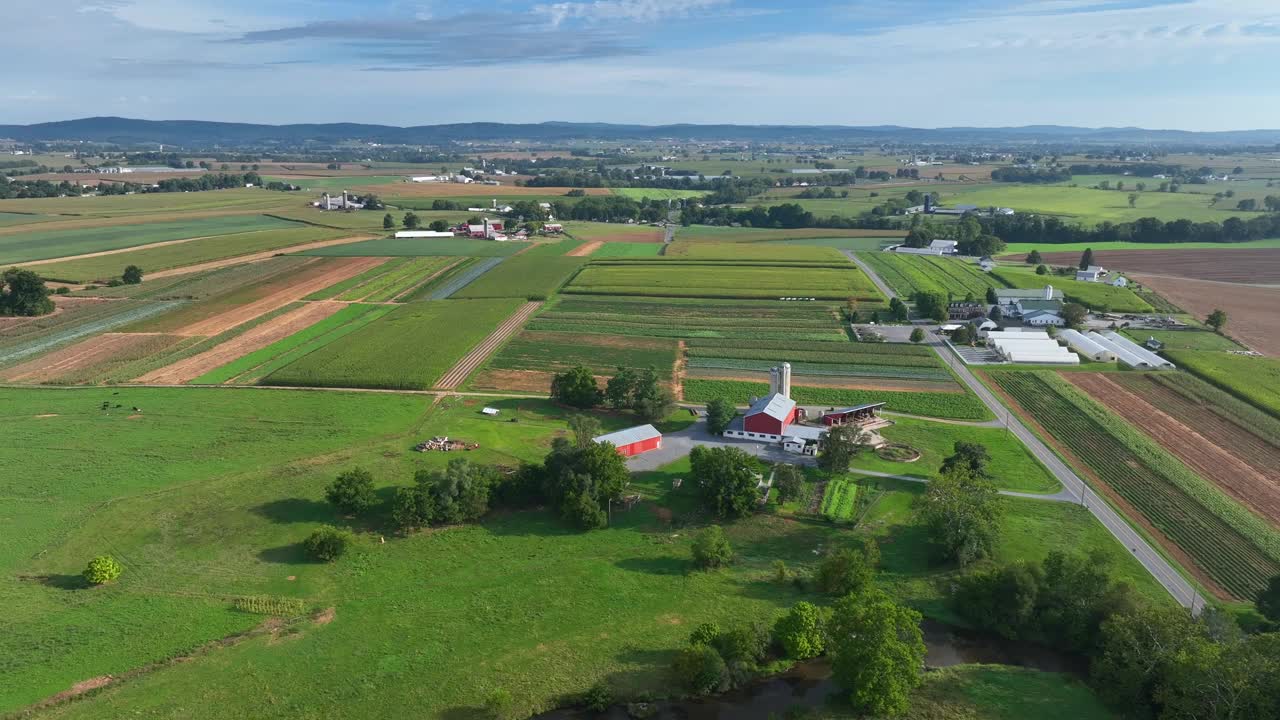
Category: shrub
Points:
column 352, row 491
column 704, row 634
column 327, row 543
column 711, row 548
column 802, row 632
column 499, row 705
column 598, row 697
column 102, row 569
column 132, row 275
column 700, row 670
column 848, row 571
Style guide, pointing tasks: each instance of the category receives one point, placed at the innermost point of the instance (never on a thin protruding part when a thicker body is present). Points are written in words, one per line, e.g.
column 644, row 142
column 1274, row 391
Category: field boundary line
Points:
column 480, row 353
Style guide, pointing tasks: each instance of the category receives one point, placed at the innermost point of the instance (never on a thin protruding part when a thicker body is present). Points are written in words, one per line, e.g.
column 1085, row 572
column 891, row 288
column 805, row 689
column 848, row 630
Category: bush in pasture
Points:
column 62, row 290
column 917, row 335
column 411, row 508
column 388, row 222
column 849, row 570
column 700, row 670
column 580, row 481
column 132, row 275
column 352, row 491
column 726, row 480
column 598, row 697
column 1042, row 269
column 410, row 220
column 327, row 543
column 102, row 570
column 576, row 388
column 704, row 634
column 500, row 705
column 459, row 493
column 971, row 456
column 802, row 632
column 439, row 225
column 720, row 412
column 711, row 549
column 788, row 481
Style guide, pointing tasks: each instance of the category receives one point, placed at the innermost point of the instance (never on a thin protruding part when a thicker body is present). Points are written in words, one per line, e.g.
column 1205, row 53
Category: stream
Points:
column 808, row 684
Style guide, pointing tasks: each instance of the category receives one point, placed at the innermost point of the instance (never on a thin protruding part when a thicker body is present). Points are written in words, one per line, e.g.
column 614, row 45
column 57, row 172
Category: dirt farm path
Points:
column 1235, row 477
column 585, row 249
column 253, row 257
column 481, row 352
column 255, row 339
column 347, row 267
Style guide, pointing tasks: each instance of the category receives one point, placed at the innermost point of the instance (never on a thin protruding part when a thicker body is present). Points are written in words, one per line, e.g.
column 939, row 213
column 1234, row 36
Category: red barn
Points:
column 770, row 415
column 859, row 415
column 633, row 441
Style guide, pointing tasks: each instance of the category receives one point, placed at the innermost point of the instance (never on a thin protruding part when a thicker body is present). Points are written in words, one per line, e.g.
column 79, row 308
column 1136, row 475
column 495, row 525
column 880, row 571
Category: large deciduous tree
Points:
column 961, row 512
column 720, row 412
column 576, row 388
column 352, row 491
column 581, row 481
column 840, row 446
column 877, row 652
column 23, row 292
column 726, row 479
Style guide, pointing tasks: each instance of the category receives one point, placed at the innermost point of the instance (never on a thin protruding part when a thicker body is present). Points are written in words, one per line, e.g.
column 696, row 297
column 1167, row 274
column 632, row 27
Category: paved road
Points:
column 880, row 283
column 1160, row 569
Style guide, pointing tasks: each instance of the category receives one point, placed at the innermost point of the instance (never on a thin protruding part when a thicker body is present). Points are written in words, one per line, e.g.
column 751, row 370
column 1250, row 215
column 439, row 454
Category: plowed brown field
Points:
column 1252, row 311
column 1238, row 463
column 71, row 364
column 256, row 338
column 1251, row 265
column 301, row 285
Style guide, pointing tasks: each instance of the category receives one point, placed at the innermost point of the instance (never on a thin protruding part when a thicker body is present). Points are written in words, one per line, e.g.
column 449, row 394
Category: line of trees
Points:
column 1049, row 230
column 640, row 391
column 1030, row 175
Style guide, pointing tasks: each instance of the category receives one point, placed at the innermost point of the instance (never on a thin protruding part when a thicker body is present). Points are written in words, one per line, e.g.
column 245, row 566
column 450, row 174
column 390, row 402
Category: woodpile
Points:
column 444, row 444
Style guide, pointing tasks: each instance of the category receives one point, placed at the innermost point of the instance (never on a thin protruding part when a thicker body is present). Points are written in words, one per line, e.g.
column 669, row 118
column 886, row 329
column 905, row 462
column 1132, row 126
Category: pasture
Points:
column 539, row 605
column 658, row 193
column 612, row 232
column 420, row 247
column 101, row 268
column 45, row 244
column 777, row 253
column 1227, row 548
column 1021, row 249
column 527, row 362
column 1089, row 206
column 1256, row 380
column 408, row 349
column 523, row 276
column 715, row 233
column 711, row 279
column 1189, row 339
column 1096, row 296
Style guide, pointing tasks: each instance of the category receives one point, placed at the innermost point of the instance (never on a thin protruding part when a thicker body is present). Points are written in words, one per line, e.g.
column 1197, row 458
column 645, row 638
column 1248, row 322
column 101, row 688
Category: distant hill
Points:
column 198, row 133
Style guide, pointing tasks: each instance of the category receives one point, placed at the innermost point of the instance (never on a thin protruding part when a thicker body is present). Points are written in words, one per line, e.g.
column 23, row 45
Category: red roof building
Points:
column 770, row 415
column 633, row 441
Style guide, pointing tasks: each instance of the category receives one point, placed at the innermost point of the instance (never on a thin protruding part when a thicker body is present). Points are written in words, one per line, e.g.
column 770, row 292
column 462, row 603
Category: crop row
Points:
column 523, row 276
column 1210, row 528
column 839, row 499
column 666, row 331
column 694, row 321
column 37, row 336
column 540, row 351
column 823, row 370
column 1244, row 416
column 682, row 280
column 816, row 355
column 357, row 281
column 956, row 406
column 1256, row 380
column 896, row 349
column 686, row 307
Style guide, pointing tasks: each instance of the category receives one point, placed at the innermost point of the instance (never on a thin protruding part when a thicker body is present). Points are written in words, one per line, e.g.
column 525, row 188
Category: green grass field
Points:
column 658, row 193
column 523, row 276
column 1012, row 466
column 957, row 406
column 628, row 250
column 1090, row 206
column 723, row 280
column 337, row 184
column 45, row 244
column 10, row 218
column 1098, row 296
column 1255, row 380
column 408, row 349
column 716, row 233
column 771, row 252
column 1023, row 248
column 546, row 612
column 852, row 243
column 248, row 199
column 1190, row 339
column 420, row 247
column 166, row 257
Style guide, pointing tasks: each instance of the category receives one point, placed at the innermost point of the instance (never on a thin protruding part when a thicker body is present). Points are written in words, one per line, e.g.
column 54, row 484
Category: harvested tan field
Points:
column 77, row 362
column 254, row 257
column 1245, row 265
column 1252, row 311
column 255, row 339
column 304, row 283
column 655, row 236
column 585, row 249
column 468, row 190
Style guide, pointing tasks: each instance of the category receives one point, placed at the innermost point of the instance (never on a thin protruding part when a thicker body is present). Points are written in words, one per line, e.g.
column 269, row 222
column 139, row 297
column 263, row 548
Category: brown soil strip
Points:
column 585, row 249
column 1252, row 310
column 72, row 358
column 254, row 257
column 481, row 352
column 677, row 372
column 254, row 339
column 1097, row 484
column 1237, row 478
column 343, row 269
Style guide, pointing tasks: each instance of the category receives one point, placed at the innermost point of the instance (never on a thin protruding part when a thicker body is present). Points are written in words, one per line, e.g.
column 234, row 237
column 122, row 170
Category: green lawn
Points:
column 951, row 405
column 1012, row 466
column 419, row 247
column 658, row 193
column 8, row 218
column 45, row 244
column 851, row 243
column 408, row 349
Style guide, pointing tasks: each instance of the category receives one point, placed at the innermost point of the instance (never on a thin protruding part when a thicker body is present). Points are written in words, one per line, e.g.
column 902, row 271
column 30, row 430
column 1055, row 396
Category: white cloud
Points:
column 625, row 10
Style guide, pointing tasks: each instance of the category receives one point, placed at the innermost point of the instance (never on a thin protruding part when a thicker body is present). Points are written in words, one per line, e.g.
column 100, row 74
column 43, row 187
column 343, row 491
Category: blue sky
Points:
column 1192, row 64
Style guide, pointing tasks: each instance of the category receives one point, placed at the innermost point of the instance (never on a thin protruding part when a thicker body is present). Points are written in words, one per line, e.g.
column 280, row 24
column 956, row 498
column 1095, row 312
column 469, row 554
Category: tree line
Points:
column 1021, row 228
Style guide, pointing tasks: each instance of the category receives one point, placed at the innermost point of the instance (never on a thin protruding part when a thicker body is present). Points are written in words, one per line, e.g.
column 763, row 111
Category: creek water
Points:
column 809, row 684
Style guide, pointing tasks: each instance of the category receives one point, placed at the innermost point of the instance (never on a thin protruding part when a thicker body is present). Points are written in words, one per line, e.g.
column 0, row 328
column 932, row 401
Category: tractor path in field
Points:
column 345, row 268
column 1155, row 563
column 875, row 279
column 481, row 352
column 256, row 338
column 585, row 249
column 252, row 257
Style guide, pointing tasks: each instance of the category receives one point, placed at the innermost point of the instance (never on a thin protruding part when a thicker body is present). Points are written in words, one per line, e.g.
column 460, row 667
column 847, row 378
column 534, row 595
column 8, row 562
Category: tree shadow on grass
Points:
column 293, row 554
column 465, row 713
column 64, row 582
column 656, row 565
column 293, row 510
